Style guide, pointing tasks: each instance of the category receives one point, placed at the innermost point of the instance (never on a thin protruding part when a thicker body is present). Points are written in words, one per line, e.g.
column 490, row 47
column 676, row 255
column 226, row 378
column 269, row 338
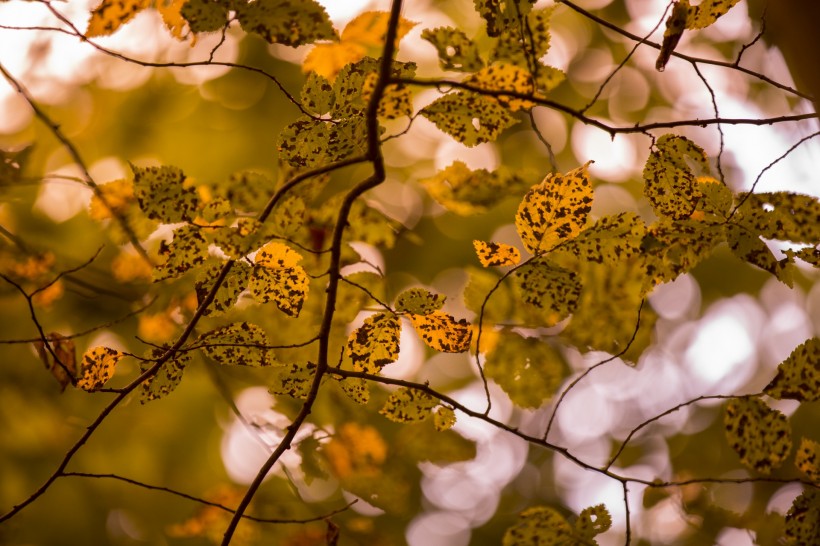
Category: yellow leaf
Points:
column 116, row 196
column 370, row 27
column 156, row 328
column 760, row 435
column 355, row 449
column 707, row 12
column 98, row 367
column 419, row 301
column 171, row 16
column 327, row 60
column 278, row 277
column 555, row 210
column 798, row 377
column 375, row 343
column 506, row 77
column 444, row 418
column 496, row 254
column 807, row 459
column 442, row 332
column 408, row 405
column 110, row 15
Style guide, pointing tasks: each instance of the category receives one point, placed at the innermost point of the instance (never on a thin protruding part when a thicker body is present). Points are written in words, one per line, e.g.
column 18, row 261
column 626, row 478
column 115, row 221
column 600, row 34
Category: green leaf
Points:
column 408, row 405
column 552, row 291
column 240, row 240
column 525, row 50
column 465, row 192
column 496, row 254
column 444, row 419
column 455, row 50
column 166, row 379
column 442, row 332
column 375, row 343
column 707, row 12
column 501, row 16
column 187, row 250
column 671, row 185
column 286, row 22
column 97, row 367
column 781, row 215
column 609, row 240
column 675, row 247
column 248, row 191
column 419, row 301
column 469, row 118
column 238, row 344
column 751, row 248
column 798, row 377
column 352, row 298
column 554, row 210
column 539, row 526
column 277, row 277
column 760, row 435
column 227, row 293
column 500, row 307
column 308, row 143
column 716, row 197
column 205, row 15
column 807, row 459
column 809, row 255
column 312, row 464
column 355, row 388
column 293, row 380
column 424, row 442
column 803, row 519
column 163, row 194
column 592, row 521
column 530, row 370
column 317, row 94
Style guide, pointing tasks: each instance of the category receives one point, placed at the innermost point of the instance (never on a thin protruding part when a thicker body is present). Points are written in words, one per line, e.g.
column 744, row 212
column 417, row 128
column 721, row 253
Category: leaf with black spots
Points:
column 205, row 15
column 550, row 290
column 110, row 15
column 675, row 25
column 707, row 12
column 592, row 521
column 760, row 435
column 278, row 277
column 444, row 419
column 464, row 191
column 286, row 22
column 167, row 377
column 751, row 248
column 442, row 332
column 807, row 459
column 496, row 254
column 238, row 344
column 798, row 377
column 803, row 519
column 97, row 367
column 408, row 405
column 500, row 15
column 469, row 118
column 226, row 295
column 670, row 183
column 609, row 240
column 419, row 301
column 539, row 525
column 293, row 380
column 784, row 216
column 164, row 194
column 455, row 50
column 375, row 343
column 187, row 250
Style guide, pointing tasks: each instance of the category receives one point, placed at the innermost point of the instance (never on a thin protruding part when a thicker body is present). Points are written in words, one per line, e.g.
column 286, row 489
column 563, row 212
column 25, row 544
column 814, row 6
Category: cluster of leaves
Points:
column 249, row 269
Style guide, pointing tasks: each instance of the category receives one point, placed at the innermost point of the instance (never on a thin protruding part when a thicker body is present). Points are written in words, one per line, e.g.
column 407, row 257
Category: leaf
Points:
column 164, row 195
column 228, row 291
column 707, row 12
column 312, row 465
column 675, row 25
column 593, row 521
column 503, row 77
column 356, row 388
column 784, row 216
column 610, row 240
column 375, row 343
column 539, row 526
column 308, row 143
column 716, row 197
column 496, row 254
column 809, row 255
column 424, row 442
column 248, row 191
column 419, row 301
column 293, row 379
column 760, row 435
column 110, row 15
column 61, row 361
column 465, row 192
column 525, row 49
column 529, row 370
column 455, row 50
column 355, row 449
column 500, row 16
column 802, row 527
column 408, row 405
column 501, row 305
column 13, row 163
column 442, row 332
column 554, row 210
column 98, row 367
column 205, row 15
column 550, row 290
column 444, row 419
column 671, row 185
column 370, row 29
column 170, row 10
column 798, row 377
column 807, row 459
column 675, row 247
column 751, row 248
column 167, row 377
column 187, row 250
column 237, row 344
column 283, row 22
column 317, row 92
column 277, row 277
column 469, row 118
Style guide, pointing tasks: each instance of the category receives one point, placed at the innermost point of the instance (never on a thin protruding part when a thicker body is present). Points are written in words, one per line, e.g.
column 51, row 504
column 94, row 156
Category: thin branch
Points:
column 627, row 515
column 717, row 115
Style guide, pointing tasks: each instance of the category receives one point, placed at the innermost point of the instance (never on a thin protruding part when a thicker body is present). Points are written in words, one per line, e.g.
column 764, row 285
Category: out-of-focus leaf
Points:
column 807, row 459
column 64, row 366
column 529, row 370
column 283, row 22
column 465, row 192
column 205, row 15
column 541, row 526
column 455, row 50
column 110, row 15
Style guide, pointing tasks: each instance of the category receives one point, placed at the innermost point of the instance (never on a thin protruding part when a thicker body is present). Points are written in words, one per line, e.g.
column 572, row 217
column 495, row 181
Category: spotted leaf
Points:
column 286, row 22
column 469, row 118
column 798, row 377
column 525, row 48
column 64, row 366
column 442, row 332
column 716, row 197
column 707, row 12
column 110, row 15
column 164, row 194
column 549, row 289
column 609, row 240
column 226, row 295
column 760, row 435
column 205, row 15
column 781, row 215
column 167, row 377
column 408, row 405
column 278, row 277
column 803, row 519
column 455, row 50
column 293, row 380
column 238, row 344
column 187, row 250
column 592, row 521
column 307, row 142
column 355, row 388
column 539, row 525
column 375, row 343
column 675, row 25
column 500, row 16
column 529, row 370
column 671, row 247
column 496, row 254
column 465, row 192
column 751, row 248
column 670, row 183
column 419, row 301
column 807, row 459
column 444, row 418
column 98, row 367
column 554, row 210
